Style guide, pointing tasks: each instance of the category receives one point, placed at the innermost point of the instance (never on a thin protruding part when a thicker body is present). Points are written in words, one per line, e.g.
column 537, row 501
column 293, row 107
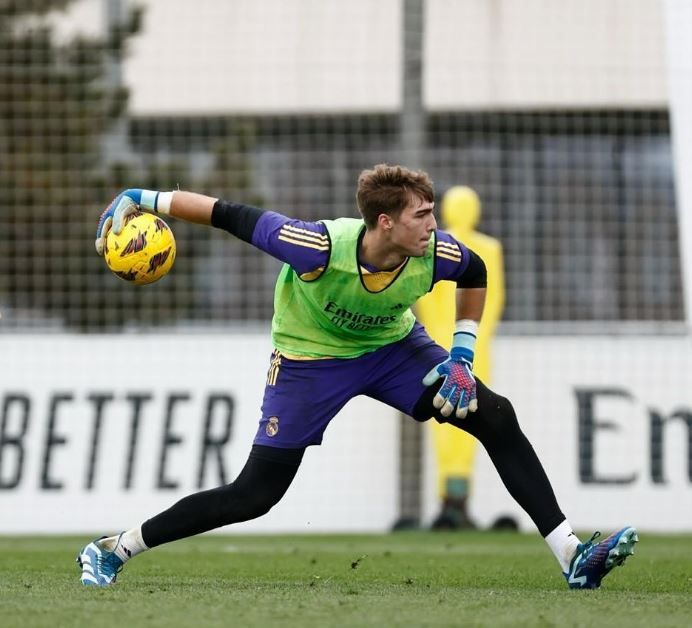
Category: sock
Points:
column 127, row 544
column 563, row 543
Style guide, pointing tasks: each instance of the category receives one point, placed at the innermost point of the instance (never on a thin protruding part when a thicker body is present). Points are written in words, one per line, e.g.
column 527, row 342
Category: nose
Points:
column 433, row 223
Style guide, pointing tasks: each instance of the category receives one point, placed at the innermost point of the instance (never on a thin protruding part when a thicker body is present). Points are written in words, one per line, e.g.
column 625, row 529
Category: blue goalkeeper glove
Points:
column 115, row 215
column 459, row 386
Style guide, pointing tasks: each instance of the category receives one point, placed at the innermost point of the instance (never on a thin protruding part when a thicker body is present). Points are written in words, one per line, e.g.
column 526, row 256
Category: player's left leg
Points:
column 496, row 426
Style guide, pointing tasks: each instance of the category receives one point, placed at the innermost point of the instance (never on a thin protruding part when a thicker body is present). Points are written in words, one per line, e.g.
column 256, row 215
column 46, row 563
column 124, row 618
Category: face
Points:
column 410, row 231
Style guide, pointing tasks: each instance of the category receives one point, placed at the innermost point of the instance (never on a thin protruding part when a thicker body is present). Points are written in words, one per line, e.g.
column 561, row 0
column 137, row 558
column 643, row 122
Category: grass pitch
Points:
column 404, row 579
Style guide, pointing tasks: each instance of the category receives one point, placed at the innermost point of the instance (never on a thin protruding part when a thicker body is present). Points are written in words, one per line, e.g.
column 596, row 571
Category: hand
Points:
column 459, row 386
column 113, row 217
column 125, row 204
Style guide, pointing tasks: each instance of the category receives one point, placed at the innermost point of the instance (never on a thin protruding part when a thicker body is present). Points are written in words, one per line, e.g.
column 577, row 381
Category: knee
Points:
column 501, row 412
column 260, row 503
column 240, row 502
column 499, row 415
column 252, row 502
column 494, row 421
column 502, row 407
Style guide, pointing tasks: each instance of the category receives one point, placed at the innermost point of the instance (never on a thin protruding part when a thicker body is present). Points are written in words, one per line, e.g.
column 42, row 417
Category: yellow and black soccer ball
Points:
column 143, row 252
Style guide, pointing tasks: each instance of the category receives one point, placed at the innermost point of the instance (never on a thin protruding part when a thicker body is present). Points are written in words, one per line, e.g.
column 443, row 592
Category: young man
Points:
column 343, row 327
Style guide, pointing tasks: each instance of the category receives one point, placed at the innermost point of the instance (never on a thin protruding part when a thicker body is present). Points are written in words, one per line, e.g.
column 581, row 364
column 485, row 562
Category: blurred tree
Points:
column 55, row 108
column 67, row 146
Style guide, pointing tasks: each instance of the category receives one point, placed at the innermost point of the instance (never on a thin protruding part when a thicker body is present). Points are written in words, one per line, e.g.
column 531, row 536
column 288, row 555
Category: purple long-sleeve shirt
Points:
column 305, row 246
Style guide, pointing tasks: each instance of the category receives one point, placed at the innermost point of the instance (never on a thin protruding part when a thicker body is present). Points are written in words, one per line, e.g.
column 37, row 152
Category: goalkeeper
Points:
column 343, row 327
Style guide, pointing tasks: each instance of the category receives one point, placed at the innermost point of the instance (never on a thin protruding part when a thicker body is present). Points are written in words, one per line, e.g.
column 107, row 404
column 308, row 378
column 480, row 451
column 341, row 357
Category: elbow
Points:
column 475, row 275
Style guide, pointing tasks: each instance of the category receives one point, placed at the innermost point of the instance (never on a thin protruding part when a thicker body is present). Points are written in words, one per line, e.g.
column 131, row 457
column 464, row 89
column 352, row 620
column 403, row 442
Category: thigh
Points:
column 301, row 397
column 403, row 367
column 398, row 375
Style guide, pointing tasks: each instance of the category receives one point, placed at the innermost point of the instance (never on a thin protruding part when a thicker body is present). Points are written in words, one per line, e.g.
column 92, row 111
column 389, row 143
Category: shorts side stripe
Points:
column 274, row 367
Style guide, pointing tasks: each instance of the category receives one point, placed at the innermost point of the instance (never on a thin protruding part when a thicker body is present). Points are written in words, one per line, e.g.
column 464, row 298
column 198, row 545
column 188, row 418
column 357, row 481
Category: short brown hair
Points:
column 389, row 189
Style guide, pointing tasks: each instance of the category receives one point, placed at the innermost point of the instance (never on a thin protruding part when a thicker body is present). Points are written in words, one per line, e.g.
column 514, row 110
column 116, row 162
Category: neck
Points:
column 377, row 252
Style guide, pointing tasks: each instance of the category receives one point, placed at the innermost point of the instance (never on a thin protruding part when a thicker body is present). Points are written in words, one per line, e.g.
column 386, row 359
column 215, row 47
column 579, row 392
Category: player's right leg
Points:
column 300, row 399
column 260, row 485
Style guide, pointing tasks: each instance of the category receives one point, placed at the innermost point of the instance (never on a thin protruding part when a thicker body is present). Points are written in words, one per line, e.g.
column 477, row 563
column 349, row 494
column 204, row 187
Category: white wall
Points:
column 351, row 481
column 215, row 56
column 544, row 53
column 679, row 48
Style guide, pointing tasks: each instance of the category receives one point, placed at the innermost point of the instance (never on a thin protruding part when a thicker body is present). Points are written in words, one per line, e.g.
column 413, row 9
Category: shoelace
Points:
column 585, row 547
column 594, row 536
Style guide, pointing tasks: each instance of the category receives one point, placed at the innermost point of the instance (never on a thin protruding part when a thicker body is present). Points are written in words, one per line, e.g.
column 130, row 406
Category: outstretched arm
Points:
column 236, row 218
column 190, row 206
column 302, row 245
column 200, row 209
column 187, row 206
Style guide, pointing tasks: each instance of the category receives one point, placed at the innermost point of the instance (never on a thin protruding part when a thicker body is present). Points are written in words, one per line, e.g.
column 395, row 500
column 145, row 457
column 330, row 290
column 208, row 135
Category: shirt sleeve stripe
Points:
column 448, row 245
column 306, row 232
column 449, row 257
column 304, row 237
column 456, row 254
column 319, row 247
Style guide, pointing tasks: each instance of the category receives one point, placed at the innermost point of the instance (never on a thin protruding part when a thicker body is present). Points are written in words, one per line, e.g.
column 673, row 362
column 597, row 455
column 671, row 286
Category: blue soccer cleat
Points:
column 100, row 567
column 592, row 561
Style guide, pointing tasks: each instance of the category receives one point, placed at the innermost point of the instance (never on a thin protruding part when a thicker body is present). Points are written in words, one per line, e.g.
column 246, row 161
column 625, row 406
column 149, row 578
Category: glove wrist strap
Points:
column 148, row 199
column 464, row 340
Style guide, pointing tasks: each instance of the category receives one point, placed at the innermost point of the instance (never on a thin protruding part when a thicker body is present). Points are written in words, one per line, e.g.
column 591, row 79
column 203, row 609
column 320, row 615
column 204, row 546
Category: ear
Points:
column 385, row 222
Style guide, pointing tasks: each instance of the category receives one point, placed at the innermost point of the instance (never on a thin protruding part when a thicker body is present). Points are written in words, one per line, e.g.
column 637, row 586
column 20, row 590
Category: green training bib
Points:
column 335, row 315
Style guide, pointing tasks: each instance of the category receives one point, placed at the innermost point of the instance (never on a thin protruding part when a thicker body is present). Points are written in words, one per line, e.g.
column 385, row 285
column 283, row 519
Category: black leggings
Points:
column 495, row 425
column 269, row 471
column 263, row 481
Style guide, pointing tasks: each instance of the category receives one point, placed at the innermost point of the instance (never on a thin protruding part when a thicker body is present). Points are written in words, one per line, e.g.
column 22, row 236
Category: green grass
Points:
column 405, row 579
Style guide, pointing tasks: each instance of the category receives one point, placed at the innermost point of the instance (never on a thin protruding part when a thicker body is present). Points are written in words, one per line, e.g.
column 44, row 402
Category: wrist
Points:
column 464, row 340
column 151, row 200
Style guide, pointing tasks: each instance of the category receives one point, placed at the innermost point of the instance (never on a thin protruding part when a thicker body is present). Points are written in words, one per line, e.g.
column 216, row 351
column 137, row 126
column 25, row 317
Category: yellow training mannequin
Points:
column 461, row 211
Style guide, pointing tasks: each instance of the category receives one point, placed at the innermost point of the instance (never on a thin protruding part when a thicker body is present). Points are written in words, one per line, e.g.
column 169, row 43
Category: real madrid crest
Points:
column 273, row 426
